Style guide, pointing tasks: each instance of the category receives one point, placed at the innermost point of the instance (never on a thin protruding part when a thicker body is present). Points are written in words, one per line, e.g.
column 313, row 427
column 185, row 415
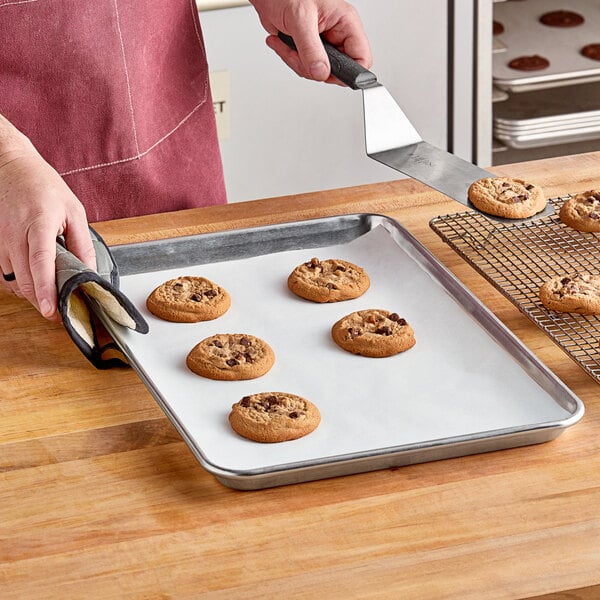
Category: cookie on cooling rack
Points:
column 507, row 197
column 582, row 212
column 573, row 293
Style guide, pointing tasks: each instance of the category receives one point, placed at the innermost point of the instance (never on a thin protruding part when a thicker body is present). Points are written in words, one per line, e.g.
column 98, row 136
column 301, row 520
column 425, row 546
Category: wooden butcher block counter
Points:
column 100, row 497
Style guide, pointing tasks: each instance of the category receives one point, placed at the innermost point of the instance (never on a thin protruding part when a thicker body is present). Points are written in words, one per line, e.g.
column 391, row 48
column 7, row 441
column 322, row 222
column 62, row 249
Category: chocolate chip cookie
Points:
column 582, row 212
column 373, row 332
column 274, row 417
column 591, row 51
column 188, row 299
column 562, row 18
column 231, row 357
column 330, row 280
column 573, row 293
column 507, row 197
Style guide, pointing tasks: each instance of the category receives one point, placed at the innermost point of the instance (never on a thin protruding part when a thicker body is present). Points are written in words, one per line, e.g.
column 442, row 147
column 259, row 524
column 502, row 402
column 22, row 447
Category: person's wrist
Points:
column 13, row 143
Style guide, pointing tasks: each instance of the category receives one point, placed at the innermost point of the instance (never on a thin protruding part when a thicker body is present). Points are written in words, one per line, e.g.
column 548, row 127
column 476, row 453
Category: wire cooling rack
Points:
column 518, row 258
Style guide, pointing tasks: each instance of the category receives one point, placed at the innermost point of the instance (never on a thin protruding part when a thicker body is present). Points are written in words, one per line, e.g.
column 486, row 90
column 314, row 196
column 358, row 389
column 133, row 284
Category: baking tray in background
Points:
column 526, row 139
column 534, row 119
column 517, row 259
column 550, row 107
column 468, row 385
column 524, row 35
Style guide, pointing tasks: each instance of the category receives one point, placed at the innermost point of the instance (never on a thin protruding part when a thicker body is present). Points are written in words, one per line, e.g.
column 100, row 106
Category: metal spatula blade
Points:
column 392, row 140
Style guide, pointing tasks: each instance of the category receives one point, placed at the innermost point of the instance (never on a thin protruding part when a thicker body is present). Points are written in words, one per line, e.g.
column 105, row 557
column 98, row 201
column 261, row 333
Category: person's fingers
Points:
column 78, row 239
column 348, row 36
column 37, row 207
column 314, row 62
column 292, row 58
column 357, row 49
column 306, row 22
column 8, row 275
column 9, row 279
column 288, row 56
column 42, row 257
column 22, row 285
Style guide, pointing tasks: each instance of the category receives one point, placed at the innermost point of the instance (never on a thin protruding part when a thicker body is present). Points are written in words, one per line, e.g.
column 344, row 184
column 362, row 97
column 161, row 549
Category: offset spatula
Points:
column 392, row 140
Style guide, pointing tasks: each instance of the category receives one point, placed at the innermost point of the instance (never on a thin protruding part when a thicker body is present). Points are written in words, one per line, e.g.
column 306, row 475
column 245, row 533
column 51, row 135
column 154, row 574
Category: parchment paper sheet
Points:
column 456, row 381
column 524, row 35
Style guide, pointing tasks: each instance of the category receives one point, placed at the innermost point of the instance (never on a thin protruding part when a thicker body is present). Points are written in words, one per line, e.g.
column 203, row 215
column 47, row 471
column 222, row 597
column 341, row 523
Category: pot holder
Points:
column 81, row 291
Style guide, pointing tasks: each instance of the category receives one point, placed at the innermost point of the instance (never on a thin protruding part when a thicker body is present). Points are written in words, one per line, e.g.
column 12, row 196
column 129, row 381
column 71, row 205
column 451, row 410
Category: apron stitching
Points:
column 138, row 154
column 135, row 137
column 142, row 154
column 195, row 19
column 20, row 2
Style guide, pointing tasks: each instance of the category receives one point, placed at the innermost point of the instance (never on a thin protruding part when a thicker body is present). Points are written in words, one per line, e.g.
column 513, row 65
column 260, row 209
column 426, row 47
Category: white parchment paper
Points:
column 524, row 35
column 456, row 381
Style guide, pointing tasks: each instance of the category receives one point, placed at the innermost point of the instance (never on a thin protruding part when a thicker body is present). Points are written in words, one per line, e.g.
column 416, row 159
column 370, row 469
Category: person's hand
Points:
column 36, row 206
column 304, row 21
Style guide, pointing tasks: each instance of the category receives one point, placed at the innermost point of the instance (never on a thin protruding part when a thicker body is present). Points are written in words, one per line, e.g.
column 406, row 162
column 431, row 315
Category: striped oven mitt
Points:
column 83, row 293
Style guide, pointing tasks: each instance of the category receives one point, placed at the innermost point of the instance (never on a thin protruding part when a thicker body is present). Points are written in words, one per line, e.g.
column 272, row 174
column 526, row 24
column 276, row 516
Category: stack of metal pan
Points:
column 535, row 119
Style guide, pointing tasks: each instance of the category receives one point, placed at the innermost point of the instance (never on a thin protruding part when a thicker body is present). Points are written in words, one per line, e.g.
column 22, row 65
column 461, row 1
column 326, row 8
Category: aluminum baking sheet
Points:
column 467, row 386
column 524, row 35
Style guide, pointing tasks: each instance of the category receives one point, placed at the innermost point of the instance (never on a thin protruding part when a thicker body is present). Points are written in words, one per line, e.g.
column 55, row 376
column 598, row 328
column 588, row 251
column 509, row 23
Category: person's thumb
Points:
column 313, row 57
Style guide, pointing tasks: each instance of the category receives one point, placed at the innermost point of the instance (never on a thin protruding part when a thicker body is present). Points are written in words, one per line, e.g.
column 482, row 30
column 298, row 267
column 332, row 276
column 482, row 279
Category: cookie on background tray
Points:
column 373, row 332
column 188, row 299
column 562, row 18
column 533, row 62
column 572, row 293
column 231, row 357
column 507, row 197
column 274, row 417
column 591, row 51
column 582, row 211
column 331, row 280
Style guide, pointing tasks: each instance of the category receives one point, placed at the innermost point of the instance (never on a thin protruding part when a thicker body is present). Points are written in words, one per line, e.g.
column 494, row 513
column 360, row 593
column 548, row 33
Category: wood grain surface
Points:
column 100, row 498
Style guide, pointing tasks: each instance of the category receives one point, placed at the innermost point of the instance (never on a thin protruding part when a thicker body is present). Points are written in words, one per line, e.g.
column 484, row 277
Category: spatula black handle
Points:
column 346, row 69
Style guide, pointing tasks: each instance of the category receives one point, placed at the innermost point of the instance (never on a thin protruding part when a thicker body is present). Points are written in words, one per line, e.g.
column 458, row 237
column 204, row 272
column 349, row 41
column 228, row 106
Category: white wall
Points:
column 290, row 135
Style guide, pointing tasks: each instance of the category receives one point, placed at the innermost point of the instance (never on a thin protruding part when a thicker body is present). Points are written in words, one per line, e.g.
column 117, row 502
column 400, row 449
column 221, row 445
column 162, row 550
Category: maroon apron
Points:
column 115, row 96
